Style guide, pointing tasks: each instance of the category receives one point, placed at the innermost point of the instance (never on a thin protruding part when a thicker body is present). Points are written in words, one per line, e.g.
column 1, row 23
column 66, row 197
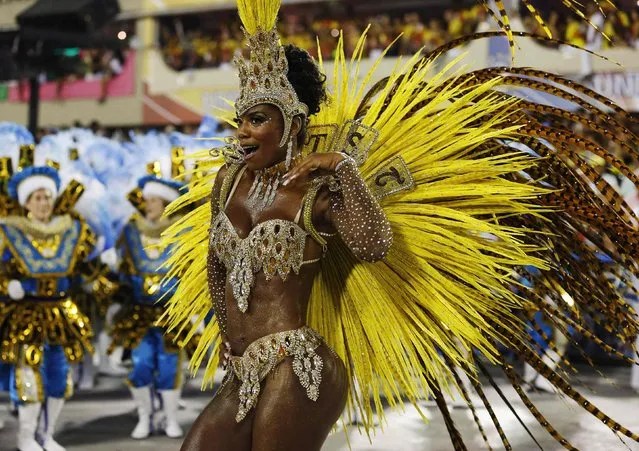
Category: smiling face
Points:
column 154, row 208
column 40, row 205
column 260, row 131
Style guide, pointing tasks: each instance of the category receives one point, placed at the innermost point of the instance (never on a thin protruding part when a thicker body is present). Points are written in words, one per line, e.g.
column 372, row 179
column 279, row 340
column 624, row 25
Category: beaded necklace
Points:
column 266, row 183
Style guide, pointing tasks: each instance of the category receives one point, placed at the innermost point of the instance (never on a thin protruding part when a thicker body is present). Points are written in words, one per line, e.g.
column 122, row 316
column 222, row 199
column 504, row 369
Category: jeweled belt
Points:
column 265, row 353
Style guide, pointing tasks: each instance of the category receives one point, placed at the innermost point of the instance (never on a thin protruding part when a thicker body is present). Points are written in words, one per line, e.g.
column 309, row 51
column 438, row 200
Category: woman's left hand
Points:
column 323, row 162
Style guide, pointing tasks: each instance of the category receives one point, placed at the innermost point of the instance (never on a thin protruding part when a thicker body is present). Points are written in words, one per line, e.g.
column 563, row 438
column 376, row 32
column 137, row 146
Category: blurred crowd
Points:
column 211, row 43
column 207, row 40
column 86, row 64
column 90, row 64
column 621, row 27
column 207, row 128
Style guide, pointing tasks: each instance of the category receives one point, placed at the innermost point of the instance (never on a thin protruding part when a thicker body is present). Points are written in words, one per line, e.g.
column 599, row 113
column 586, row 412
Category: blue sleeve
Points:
column 7, row 256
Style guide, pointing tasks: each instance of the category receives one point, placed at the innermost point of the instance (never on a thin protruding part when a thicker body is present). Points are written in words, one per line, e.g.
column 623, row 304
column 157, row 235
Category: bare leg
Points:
column 286, row 419
column 216, row 429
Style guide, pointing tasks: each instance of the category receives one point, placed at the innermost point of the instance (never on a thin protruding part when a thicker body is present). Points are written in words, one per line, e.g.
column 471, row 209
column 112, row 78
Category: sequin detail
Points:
column 275, row 247
column 358, row 218
column 264, row 187
column 265, row 353
column 263, row 79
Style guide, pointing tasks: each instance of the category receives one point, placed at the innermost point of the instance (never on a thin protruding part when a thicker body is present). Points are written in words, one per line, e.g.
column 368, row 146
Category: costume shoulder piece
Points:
column 48, row 250
column 478, row 185
column 57, row 226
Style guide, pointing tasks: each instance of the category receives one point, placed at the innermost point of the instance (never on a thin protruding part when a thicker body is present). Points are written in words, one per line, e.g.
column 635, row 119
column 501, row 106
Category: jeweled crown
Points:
column 264, row 78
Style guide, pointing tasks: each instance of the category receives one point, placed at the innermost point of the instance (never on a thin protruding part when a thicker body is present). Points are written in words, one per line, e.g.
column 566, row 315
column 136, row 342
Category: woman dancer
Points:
column 296, row 224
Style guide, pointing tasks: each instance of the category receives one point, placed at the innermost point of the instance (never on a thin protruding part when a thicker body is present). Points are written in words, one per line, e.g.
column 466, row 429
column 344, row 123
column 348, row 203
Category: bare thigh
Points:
column 216, row 429
column 286, row 419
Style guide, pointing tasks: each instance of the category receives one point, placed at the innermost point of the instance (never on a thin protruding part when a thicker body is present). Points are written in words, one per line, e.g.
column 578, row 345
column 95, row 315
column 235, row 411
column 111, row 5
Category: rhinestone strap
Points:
column 226, row 184
column 264, row 354
column 309, row 203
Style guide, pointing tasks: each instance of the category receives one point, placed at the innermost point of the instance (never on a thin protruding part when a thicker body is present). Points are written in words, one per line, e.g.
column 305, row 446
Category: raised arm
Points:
column 357, row 216
column 353, row 210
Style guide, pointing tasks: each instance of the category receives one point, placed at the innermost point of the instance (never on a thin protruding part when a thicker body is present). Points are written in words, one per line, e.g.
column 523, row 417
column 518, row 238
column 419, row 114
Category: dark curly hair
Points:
column 306, row 78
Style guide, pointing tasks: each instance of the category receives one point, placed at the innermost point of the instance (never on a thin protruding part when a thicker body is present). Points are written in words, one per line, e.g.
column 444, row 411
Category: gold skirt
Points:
column 132, row 322
column 25, row 326
column 95, row 307
column 264, row 354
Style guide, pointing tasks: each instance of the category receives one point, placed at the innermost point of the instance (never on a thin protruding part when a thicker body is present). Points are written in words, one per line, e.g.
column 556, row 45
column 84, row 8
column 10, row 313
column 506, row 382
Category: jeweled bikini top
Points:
column 275, row 246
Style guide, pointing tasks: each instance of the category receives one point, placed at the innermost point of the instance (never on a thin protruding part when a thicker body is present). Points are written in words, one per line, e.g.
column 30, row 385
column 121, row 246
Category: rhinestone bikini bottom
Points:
column 265, row 353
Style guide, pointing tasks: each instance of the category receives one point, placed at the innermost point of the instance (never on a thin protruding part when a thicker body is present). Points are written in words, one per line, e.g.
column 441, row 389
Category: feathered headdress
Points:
column 263, row 75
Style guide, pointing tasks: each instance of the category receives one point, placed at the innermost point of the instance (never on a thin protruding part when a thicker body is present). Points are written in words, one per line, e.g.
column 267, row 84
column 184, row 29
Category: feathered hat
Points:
column 165, row 170
column 28, row 174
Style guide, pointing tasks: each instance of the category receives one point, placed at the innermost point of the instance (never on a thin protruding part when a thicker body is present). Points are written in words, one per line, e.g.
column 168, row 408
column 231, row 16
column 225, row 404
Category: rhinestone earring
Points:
column 289, row 153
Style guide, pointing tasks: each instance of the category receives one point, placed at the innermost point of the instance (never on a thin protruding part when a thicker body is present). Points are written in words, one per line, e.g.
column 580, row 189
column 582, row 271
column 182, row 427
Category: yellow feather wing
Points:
column 468, row 221
column 468, row 215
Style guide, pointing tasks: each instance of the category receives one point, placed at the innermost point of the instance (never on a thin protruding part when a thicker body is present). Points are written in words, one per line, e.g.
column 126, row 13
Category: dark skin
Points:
column 284, row 417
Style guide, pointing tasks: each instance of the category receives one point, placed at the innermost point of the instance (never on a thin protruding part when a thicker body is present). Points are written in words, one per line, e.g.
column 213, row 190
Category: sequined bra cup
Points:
column 275, row 247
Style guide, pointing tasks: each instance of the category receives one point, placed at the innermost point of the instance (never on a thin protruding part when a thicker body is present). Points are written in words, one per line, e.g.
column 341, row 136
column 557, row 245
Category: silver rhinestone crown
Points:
column 263, row 79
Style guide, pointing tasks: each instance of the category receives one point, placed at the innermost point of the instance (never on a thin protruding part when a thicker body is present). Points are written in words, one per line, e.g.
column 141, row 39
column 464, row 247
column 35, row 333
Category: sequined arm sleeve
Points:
column 215, row 269
column 357, row 216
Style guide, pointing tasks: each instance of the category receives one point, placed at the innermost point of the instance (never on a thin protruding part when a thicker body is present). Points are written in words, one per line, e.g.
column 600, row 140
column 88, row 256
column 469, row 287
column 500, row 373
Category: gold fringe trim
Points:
column 31, row 324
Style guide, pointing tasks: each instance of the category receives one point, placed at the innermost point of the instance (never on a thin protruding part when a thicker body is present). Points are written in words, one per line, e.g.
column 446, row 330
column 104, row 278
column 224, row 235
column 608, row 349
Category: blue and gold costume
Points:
column 42, row 331
column 156, row 356
column 45, row 330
